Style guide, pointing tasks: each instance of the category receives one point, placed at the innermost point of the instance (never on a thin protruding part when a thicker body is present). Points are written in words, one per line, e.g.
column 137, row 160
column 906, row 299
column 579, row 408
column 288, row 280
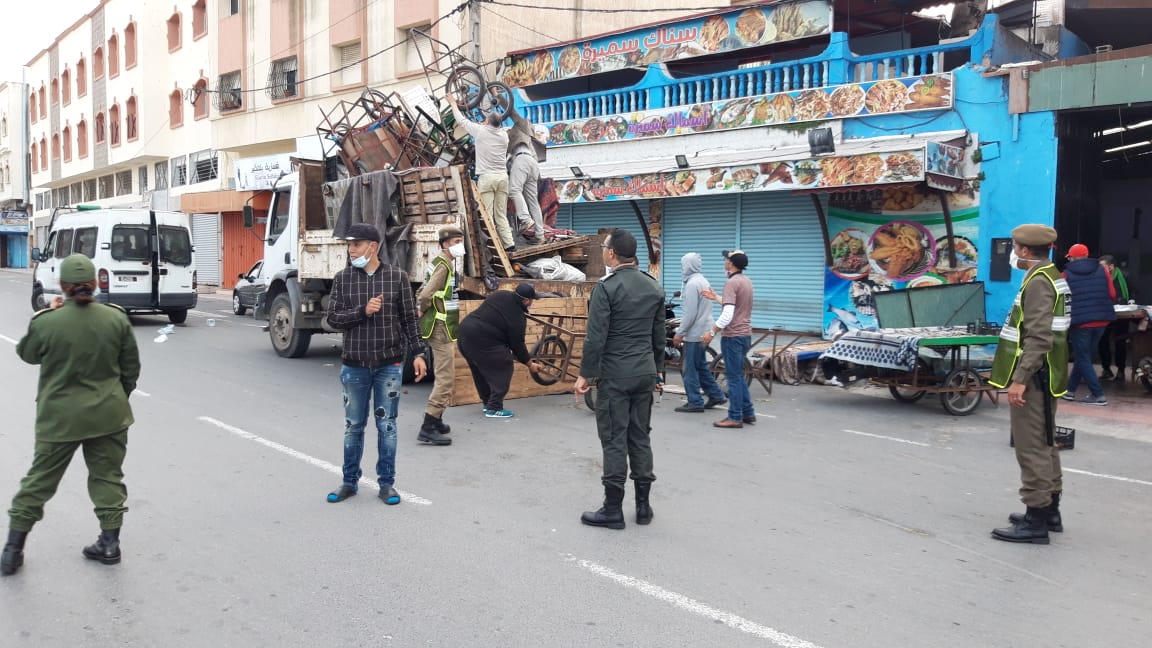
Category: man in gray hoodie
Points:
column 695, row 320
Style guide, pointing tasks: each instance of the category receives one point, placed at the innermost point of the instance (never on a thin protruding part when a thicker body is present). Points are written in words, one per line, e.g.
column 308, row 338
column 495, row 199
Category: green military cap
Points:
column 450, row 232
column 1034, row 235
column 77, row 269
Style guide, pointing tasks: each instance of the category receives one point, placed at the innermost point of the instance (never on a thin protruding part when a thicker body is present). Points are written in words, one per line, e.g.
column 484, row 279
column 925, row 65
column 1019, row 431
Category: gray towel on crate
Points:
column 371, row 198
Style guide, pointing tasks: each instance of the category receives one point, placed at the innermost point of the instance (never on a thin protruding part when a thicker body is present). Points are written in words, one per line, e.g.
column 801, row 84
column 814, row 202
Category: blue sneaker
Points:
column 390, row 496
column 340, row 494
column 488, row 411
column 498, row 413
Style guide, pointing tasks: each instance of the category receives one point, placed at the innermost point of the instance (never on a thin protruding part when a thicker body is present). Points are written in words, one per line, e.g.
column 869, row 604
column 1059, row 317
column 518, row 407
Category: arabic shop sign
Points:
column 911, row 94
column 730, row 31
column 259, row 173
column 837, row 171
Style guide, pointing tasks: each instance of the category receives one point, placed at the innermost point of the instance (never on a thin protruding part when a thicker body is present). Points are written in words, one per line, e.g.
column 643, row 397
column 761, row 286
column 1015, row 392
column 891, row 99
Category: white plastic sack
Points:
column 553, row 269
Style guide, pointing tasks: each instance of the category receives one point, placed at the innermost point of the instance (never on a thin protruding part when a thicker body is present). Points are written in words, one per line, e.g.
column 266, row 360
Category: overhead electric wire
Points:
column 596, row 10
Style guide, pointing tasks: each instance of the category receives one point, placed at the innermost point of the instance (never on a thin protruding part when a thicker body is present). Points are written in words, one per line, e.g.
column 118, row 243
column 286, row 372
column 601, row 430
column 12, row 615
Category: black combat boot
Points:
column 643, row 510
column 106, row 549
column 430, row 432
column 611, row 515
column 441, row 426
column 1055, row 523
column 13, row 557
column 1033, row 528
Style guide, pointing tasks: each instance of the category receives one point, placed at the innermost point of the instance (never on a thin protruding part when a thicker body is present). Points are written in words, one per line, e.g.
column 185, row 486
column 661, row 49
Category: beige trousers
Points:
column 494, row 195
column 1040, row 473
column 444, row 359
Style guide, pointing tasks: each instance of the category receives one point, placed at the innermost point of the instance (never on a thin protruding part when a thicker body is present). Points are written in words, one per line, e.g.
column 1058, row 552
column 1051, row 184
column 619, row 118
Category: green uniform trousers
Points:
column 444, row 372
column 623, row 420
column 1038, row 456
column 105, row 458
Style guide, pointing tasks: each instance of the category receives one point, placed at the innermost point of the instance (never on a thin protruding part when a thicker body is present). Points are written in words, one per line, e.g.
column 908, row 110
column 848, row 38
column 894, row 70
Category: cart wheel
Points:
column 551, row 352
column 961, row 403
column 1144, row 371
column 906, row 394
column 590, row 398
column 717, row 365
column 466, row 85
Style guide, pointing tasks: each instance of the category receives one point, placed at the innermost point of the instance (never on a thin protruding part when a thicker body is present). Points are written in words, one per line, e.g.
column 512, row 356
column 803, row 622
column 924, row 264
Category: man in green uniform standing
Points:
column 1032, row 362
column 624, row 353
column 89, row 365
column 440, row 305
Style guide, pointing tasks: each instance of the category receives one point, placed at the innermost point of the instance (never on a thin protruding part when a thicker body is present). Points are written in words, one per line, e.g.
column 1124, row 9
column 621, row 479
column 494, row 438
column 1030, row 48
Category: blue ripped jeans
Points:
column 364, row 386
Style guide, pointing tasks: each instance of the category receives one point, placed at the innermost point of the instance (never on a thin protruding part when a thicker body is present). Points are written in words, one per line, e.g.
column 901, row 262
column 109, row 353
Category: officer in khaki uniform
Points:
column 624, row 353
column 1032, row 362
column 89, row 365
column 440, row 307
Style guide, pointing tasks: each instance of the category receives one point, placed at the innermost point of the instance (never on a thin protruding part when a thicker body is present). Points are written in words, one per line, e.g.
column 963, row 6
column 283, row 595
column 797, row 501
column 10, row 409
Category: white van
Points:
column 144, row 259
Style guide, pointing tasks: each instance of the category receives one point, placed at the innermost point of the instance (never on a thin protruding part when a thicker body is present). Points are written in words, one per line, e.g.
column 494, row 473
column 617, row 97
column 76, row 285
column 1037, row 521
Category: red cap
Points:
column 1078, row 251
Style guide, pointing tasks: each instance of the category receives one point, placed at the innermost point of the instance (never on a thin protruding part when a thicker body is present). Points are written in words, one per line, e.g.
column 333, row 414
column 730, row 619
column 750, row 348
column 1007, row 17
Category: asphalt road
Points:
column 842, row 519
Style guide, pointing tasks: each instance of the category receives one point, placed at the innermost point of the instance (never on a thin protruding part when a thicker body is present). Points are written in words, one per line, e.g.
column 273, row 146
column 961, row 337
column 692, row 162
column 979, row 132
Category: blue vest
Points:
column 1088, row 281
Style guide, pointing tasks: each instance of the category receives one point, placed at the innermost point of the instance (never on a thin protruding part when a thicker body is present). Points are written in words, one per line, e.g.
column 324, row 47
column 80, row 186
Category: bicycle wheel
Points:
column 497, row 98
column 551, row 352
column 466, row 85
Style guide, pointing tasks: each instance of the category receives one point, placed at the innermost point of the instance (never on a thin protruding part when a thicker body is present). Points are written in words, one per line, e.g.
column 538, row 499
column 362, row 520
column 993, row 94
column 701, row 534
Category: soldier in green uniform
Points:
column 89, row 365
column 440, row 305
column 1032, row 362
column 624, row 354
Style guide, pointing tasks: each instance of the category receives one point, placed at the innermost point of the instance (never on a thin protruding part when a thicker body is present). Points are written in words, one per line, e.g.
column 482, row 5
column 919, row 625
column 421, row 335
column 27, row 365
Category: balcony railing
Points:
column 835, row 65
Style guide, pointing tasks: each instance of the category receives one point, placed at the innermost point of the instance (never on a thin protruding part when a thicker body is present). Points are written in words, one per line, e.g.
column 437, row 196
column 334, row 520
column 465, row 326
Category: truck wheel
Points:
column 177, row 316
column 288, row 342
column 39, row 302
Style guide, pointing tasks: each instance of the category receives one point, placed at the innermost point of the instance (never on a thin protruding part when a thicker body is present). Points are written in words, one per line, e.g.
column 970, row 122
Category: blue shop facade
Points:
column 703, row 133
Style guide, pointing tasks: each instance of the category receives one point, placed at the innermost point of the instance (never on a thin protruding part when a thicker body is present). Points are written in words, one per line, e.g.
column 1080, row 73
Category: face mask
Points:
column 360, row 262
column 457, row 250
column 1015, row 259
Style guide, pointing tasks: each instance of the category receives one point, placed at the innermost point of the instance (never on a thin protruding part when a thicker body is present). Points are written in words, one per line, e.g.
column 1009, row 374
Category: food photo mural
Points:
column 894, row 238
column 911, row 94
column 729, row 31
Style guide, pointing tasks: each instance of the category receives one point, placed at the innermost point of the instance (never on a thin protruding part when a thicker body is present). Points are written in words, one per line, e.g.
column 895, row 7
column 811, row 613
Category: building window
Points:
column 142, row 178
column 130, row 119
column 348, row 64
column 35, row 159
column 90, row 189
column 174, row 32
column 4, row 125
column 101, row 128
column 419, row 47
column 130, row 46
column 43, row 103
column 67, row 144
column 114, row 125
column 233, row 7
column 81, row 77
column 200, row 102
column 82, row 138
column 160, row 174
column 66, row 86
column 175, row 109
column 55, row 91
column 98, row 63
column 199, row 19
column 124, row 183
column 113, row 56
column 55, row 147
column 203, row 165
column 282, row 79
column 179, row 171
column 228, row 94
column 32, row 107
column 106, row 184
column 43, row 154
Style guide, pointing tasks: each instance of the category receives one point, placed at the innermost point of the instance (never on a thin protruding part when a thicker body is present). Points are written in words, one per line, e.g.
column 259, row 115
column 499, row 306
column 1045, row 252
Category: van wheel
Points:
column 178, row 316
column 237, row 307
column 288, row 342
column 39, row 302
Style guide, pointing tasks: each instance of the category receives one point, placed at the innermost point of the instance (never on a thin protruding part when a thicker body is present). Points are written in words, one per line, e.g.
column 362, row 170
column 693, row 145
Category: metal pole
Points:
column 474, row 15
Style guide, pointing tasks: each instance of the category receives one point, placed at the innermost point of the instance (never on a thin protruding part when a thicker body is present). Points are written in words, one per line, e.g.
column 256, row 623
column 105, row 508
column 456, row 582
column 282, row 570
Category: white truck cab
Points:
column 144, row 259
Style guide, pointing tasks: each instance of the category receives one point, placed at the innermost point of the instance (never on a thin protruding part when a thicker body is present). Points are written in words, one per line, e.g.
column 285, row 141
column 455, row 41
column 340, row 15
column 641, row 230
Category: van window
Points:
column 85, row 242
column 130, row 243
column 63, row 243
column 175, row 246
column 280, row 208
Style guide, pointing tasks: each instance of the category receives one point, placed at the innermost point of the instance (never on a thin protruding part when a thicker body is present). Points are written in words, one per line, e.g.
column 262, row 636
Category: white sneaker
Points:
column 833, row 382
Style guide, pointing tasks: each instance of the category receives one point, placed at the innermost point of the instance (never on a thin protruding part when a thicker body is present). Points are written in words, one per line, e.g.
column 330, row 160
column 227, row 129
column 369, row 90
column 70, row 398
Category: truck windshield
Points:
column 130, row 243
column 175, row 246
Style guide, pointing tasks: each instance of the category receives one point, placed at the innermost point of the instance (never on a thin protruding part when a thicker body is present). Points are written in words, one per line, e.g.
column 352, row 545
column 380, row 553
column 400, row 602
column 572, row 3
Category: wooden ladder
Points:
column 495, row 248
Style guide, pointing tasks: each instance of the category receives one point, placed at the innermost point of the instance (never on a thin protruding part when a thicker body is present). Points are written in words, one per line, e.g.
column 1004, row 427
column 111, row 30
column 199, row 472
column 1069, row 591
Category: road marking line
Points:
column 888, row 438
column 200, row 313
column 308, row 459
column 695, row 607
column 8, row 339
column 141, row 392
column 999, row 562
column 1103, row 476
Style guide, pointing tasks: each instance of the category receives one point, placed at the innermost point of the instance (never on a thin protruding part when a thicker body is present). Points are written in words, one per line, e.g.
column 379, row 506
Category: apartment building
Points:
column 13, row 178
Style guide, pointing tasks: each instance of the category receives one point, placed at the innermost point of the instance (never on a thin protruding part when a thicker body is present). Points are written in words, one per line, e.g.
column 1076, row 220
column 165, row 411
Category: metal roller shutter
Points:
column 206, row 239
column 705, row 225
column 589, row 218
column 781, row 234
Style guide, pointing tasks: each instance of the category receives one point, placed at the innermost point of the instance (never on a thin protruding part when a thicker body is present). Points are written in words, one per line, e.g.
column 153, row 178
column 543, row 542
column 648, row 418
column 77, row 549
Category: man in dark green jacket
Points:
column 89, row 365
column 624, row 354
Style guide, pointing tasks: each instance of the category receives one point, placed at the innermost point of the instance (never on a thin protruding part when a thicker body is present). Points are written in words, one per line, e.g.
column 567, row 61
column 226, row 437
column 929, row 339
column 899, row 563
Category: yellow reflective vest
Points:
column 445, row 308
column 1008, row 349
